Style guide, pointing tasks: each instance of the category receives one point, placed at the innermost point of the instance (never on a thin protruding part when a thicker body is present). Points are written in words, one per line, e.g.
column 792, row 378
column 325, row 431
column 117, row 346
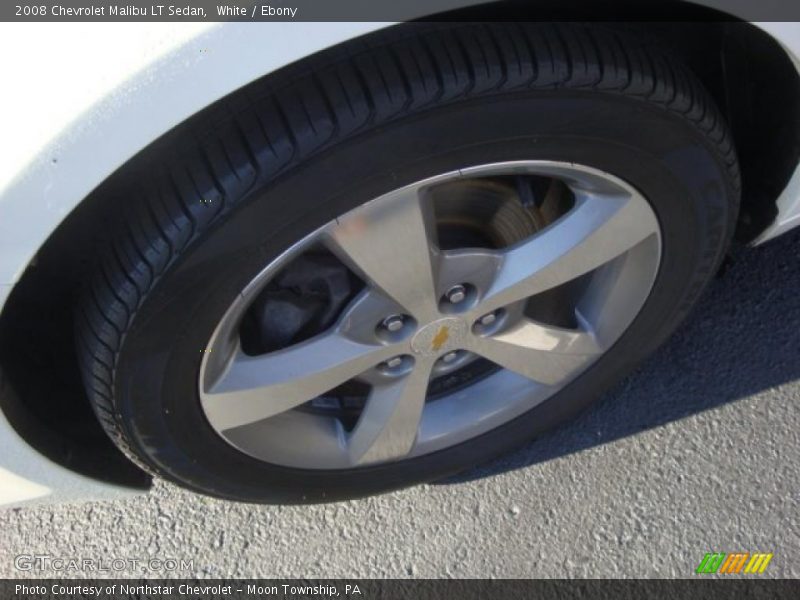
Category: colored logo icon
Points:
column 734, row 563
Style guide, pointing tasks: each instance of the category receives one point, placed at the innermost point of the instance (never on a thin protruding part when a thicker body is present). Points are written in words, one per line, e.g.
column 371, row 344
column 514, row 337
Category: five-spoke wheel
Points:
column 426, row 313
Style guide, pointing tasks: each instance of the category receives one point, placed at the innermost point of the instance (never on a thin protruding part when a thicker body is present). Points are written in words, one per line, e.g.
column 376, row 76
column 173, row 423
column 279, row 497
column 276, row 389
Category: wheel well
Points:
column 747, row 72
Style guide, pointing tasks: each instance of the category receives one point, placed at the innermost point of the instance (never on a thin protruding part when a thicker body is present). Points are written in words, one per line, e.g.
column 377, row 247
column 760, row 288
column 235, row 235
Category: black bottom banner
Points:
column 371, row 589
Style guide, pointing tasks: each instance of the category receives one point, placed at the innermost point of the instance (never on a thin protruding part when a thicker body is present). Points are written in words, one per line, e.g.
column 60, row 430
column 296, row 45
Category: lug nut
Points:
column 393, row 323
column 456, row 294
column 393, row 362
column 487, row 320
column 450, row 357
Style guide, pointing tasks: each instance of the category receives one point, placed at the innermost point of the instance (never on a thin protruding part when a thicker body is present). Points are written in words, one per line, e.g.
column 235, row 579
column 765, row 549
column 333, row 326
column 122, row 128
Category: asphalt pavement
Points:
column 699, row 451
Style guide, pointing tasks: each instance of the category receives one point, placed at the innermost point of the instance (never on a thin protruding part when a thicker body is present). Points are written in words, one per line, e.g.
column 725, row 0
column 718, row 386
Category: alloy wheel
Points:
column 453, row 313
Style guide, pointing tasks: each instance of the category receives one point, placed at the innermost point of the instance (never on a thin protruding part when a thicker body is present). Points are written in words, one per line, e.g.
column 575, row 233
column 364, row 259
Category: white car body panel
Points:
column 5, row 290
column 88, row 112
column 26, row 476
column 77, row 110
column 788, row 34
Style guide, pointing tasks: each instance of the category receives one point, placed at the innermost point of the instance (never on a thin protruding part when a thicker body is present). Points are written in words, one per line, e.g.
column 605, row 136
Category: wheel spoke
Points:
column 548, row 355
column 596, row 231
column 391, row 243
column 388, row 426
column 257, row 387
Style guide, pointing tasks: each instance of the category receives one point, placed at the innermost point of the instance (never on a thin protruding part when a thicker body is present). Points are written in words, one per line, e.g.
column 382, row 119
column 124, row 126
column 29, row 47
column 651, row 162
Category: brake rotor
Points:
column 496, row 213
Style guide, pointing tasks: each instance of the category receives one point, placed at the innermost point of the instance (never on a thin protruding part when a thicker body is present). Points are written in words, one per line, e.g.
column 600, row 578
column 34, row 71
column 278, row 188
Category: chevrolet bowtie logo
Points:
column 440, row 339
column 439, row 336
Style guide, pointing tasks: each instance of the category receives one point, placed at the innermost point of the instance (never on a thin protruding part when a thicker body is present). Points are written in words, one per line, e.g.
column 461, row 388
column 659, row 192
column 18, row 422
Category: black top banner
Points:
column 428, row 589
column 397, row 10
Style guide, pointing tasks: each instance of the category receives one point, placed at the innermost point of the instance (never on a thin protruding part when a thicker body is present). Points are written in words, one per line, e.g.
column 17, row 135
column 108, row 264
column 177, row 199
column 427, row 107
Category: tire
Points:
column 232, row 188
